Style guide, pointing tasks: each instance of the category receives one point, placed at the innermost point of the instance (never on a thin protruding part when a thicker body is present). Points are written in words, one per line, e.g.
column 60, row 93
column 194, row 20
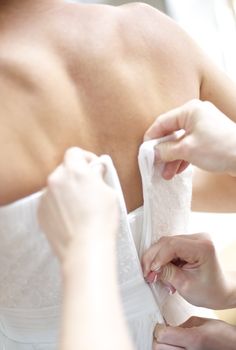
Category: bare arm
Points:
column 92, row 312
column 78, row 213
column 211, row 192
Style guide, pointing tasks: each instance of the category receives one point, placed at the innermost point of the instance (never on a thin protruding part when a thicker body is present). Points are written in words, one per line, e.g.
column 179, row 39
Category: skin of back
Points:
column 93, row 76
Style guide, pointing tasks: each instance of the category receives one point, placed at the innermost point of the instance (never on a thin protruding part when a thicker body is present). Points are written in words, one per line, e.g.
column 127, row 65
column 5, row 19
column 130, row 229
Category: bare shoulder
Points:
column 144, row 15
column 161, row 33
column 169, row 41
column 139, row 22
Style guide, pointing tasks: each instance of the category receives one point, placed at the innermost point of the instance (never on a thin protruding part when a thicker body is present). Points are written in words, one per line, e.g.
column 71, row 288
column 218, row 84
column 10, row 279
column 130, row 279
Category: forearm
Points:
column 92, row 310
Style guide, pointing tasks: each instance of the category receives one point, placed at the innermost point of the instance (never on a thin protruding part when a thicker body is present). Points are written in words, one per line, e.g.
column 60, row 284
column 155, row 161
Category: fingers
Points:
column 78, row 160
column 174, row 120
column 171, row 169
column 56, row 177
column 167, row 249
column 176, row 337
column 167, row 123
column 188, row 248
column 75, row 158
column 182, row 166
column 194, row 321
column 157, row 346
column 168, row 151
column 172, row 277
column 175, row 260
column 98, row 167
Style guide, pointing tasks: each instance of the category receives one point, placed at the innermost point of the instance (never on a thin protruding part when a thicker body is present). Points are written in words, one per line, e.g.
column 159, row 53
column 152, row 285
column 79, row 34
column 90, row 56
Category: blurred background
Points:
column 212, row 23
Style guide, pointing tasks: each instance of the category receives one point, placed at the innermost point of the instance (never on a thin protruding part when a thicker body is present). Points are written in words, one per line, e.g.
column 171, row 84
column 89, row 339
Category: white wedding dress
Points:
column 30, row 285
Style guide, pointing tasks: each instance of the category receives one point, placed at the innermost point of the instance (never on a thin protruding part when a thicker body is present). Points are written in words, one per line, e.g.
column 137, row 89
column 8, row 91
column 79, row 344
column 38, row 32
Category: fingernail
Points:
column 158, row 329
column 152, row 277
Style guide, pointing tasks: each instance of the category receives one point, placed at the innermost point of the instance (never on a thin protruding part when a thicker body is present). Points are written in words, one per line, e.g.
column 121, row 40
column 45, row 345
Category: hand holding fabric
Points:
column 189, row 263
column 196, row 334
column 209, row 141
column 74, row 207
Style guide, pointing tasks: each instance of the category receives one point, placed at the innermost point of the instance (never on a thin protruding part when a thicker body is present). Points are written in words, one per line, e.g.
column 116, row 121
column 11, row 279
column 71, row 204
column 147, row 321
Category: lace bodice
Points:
column 29, row 273
column 30, row 285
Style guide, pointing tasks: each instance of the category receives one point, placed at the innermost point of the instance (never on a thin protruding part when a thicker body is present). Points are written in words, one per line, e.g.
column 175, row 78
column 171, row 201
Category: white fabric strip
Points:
column 166, row 211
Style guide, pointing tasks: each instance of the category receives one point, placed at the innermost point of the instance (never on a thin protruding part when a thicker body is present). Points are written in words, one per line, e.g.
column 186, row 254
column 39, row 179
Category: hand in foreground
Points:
column 196, row 334
column 189, row 263
column 209, row 141
column 77, row 206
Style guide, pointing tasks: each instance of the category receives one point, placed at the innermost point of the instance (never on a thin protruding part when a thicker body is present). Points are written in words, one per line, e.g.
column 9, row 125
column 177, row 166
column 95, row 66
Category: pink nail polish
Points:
column 152, row 277
column 170, row 289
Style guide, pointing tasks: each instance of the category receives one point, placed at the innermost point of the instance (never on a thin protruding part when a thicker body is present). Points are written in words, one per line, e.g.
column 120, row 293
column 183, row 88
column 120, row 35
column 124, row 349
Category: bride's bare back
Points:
column 92, row 76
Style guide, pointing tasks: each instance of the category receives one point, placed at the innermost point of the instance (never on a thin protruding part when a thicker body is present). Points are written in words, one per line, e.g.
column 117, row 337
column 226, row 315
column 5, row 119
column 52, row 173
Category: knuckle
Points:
column 186, row 148
column 147, row 258
column 209, row 246
column 71, row 151
column 204, row 235
column 163, row 240
column 53, row 180
column 172, row 241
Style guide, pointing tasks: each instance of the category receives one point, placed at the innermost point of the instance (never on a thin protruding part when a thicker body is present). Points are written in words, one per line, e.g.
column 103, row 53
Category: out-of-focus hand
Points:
column 78, row 207
column 209, row 141
column 196, row 334
column 189, row 263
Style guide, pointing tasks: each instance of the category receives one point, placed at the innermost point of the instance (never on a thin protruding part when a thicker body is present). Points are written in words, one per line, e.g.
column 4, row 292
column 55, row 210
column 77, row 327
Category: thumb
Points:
column 176, row 336
column 173, row 275
column 167, row 151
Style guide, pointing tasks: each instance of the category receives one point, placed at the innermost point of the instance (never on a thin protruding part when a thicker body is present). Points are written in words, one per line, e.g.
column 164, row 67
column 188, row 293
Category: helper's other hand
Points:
column 209, row 141
column 189, row 263
column 196, row 334
column 78, row 207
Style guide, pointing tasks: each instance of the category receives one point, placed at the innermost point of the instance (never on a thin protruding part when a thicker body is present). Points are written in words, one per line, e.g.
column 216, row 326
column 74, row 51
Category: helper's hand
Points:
column 209, row 141
column 77, row 206
column 189, row 263
column 196, row 334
